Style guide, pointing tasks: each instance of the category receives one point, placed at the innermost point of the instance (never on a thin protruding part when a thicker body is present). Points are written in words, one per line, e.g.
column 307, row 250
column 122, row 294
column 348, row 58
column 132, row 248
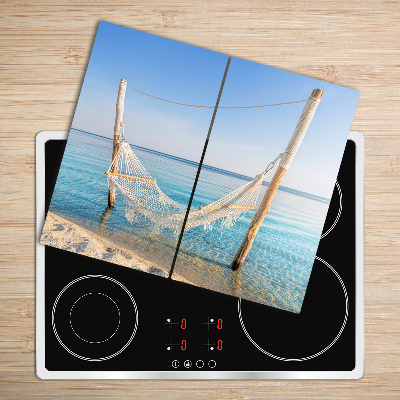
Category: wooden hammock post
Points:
column 287, row 158
column 119, row 117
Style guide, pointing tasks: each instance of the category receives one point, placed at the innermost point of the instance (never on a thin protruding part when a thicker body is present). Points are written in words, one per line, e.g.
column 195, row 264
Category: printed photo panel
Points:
column 145, row 119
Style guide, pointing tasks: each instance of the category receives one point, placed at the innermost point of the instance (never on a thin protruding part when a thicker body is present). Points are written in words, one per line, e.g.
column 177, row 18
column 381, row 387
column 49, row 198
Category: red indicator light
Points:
column 183, row 344
column 183, row 323
column 219, row 323
column 219, row 345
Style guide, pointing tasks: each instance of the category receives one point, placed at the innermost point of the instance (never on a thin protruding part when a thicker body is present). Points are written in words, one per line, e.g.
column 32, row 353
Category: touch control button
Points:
column 199, row 363
column 212, row 364
column 175, row 363
column 187, row 364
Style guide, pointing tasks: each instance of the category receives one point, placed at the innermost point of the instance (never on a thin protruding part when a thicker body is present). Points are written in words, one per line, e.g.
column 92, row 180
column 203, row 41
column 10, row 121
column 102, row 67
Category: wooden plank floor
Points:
column 44, row 50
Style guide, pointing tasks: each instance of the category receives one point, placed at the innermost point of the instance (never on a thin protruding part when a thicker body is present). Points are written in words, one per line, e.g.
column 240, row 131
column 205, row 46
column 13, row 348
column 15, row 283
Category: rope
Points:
column 272, row 163
column 193, row 105
column 143, row 196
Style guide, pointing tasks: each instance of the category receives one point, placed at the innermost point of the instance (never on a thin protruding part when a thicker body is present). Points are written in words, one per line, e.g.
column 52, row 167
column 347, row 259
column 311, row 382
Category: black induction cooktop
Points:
column 100, row 320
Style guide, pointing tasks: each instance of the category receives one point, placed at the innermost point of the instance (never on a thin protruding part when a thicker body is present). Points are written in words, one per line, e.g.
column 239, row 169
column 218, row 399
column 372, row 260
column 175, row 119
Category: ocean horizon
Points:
column 211, row 168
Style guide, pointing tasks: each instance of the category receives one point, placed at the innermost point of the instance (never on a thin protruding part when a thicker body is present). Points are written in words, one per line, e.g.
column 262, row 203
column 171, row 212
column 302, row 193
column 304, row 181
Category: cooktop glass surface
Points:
column 96, row 319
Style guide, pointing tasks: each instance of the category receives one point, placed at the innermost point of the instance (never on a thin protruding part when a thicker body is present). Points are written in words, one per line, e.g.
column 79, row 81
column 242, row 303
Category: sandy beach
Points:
column 65, row 235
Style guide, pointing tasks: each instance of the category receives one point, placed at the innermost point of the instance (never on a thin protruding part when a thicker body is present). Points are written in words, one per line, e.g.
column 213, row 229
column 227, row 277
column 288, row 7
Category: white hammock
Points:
column 144, row 196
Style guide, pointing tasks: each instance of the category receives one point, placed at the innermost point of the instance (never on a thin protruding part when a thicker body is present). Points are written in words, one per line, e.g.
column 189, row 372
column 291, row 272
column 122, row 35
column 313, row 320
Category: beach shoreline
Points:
column 66, row 235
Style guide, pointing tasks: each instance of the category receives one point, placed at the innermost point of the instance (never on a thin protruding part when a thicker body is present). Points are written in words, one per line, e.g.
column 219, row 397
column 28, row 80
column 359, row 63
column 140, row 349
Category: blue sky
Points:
column 242, row 141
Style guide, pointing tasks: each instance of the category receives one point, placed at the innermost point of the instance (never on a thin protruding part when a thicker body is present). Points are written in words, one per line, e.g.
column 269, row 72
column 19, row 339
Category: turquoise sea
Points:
column 278, row 266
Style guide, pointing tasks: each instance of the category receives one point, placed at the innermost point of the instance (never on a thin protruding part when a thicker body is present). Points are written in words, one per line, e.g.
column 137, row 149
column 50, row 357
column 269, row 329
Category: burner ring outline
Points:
column 101, row 341
column 338, row 214
column 313, row 355
column 100, row 358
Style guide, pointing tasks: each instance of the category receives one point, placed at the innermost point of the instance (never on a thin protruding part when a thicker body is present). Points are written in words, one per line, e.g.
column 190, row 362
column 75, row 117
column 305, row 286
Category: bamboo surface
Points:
column 45, row 47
